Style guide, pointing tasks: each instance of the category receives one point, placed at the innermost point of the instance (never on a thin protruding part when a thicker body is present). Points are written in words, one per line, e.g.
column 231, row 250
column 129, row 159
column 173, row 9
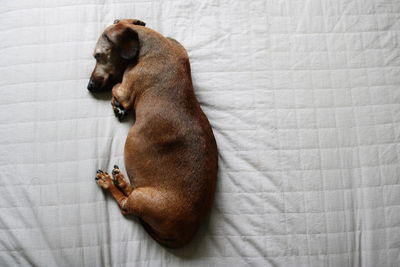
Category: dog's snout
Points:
column 90, row 85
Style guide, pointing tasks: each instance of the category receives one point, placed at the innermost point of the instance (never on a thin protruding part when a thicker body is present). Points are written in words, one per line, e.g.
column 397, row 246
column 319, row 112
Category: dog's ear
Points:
column 134, row 22
column 139, row 22
column 126, row 40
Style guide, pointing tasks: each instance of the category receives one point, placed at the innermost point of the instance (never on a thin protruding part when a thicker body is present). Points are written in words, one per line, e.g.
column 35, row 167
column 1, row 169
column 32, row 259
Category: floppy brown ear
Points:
column 139, row 22
column 126, row 41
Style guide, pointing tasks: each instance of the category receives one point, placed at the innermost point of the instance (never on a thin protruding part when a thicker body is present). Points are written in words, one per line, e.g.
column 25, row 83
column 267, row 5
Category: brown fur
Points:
column 170, row 152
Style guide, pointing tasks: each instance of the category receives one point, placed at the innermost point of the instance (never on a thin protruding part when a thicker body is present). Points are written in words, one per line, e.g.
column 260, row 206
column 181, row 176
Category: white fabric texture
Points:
column 304, row 100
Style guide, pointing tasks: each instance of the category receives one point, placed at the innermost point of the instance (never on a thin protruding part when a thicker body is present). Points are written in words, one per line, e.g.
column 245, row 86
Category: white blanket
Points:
column 304, row 100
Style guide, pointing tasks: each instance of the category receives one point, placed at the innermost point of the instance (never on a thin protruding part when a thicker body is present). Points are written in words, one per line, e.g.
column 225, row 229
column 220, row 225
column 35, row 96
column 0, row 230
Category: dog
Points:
column 170, row 154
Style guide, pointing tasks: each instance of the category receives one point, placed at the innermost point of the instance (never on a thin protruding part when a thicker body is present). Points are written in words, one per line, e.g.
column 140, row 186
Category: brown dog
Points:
column 170, row 152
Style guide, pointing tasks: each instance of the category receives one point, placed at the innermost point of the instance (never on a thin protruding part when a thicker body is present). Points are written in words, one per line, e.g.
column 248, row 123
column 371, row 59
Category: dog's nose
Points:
column 90, row 85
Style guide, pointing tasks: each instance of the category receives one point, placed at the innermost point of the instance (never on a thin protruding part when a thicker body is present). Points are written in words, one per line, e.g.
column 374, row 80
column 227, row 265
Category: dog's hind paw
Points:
column 120, row 182
column 103, row 179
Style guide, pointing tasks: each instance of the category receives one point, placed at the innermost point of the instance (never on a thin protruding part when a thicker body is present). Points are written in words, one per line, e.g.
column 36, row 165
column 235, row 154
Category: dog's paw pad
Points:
column 115, row 171
column 119, row 113
column 103, row 179
column 116, row 177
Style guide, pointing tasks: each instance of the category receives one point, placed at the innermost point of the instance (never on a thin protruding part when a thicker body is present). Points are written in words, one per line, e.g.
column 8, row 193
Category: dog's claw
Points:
column 99, row 171
column 116, row 167
column 96, row 178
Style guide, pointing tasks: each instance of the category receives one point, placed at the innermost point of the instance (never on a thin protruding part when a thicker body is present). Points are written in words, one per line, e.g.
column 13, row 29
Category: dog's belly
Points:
column 152, row 162
column 181, row 163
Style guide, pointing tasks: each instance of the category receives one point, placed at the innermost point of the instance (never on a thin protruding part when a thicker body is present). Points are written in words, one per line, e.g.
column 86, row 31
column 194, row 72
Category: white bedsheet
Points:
column 304, row 100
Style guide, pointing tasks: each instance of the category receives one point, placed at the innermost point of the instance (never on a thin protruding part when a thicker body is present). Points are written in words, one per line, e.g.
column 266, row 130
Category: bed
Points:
column 304, row 100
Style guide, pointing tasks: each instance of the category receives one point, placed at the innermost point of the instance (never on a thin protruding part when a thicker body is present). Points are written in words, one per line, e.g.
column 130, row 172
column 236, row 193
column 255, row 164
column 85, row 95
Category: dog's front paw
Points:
column 119, row 113
column 119, row 110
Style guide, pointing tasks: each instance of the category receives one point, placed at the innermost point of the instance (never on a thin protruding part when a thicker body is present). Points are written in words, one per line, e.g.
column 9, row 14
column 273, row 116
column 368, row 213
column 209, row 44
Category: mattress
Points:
column 304, row 101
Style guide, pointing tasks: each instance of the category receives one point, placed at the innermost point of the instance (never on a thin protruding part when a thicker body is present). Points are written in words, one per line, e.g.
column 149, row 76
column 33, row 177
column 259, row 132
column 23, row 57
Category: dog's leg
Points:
column 143, row 202
column 120, row 182
column 151, row 204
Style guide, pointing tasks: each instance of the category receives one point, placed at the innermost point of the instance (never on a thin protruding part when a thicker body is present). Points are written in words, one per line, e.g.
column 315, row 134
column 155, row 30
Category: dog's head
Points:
column 117, row 47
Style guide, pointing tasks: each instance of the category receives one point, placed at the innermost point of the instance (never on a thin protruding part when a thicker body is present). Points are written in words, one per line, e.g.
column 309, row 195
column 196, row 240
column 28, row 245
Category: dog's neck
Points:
column 156, row 63
column 151, row 42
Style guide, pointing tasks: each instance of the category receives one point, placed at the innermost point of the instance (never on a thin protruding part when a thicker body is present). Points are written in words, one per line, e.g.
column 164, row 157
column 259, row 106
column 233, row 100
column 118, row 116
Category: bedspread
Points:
column 304, row 100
